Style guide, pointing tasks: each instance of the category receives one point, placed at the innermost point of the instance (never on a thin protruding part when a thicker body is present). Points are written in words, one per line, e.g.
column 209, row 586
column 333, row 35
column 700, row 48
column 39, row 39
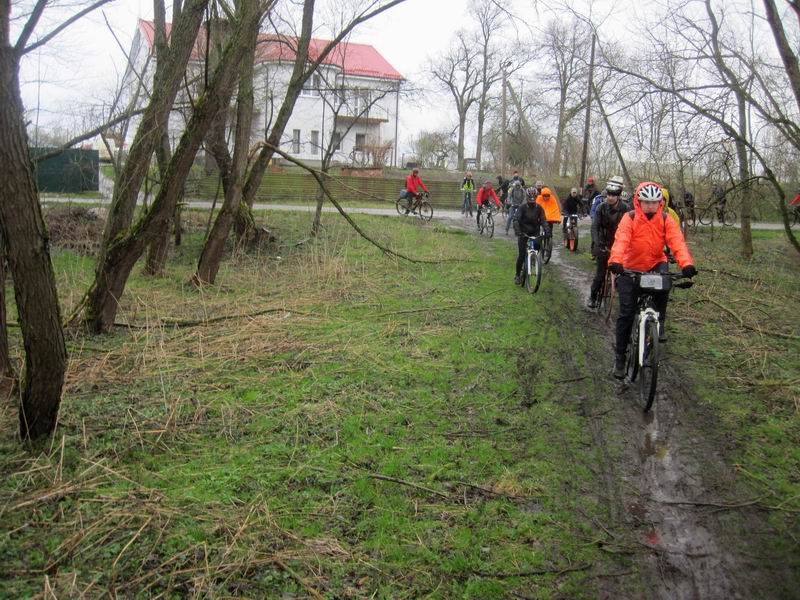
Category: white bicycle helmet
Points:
column 650, row 193
column 614, row 185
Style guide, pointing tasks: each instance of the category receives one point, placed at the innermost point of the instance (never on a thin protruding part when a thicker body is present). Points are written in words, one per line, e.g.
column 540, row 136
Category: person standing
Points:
column 467, row 189
column 502, row 188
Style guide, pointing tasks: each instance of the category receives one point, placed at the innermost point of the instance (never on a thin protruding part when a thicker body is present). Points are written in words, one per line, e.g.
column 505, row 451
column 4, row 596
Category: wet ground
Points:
column 666, row 489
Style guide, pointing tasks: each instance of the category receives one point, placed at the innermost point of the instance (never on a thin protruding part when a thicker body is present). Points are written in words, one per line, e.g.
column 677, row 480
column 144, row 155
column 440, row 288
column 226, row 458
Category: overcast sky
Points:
column 83, row 64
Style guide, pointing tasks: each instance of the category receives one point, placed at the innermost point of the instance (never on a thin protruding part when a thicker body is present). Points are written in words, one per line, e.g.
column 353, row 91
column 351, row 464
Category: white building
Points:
column 352, row 99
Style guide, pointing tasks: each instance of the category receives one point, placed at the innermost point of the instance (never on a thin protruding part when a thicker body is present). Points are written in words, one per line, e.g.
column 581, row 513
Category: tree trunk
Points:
column 8, row 375
column 115, row 266
column 159, row 248
column 169, row 73
column 481, row 120
column 744, row 179
column 462, row 125
column 23, row 229
column 296, row 82
column 211, row 256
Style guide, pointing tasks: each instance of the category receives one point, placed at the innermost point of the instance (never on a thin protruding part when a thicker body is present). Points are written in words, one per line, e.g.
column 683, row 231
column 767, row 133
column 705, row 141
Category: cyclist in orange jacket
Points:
column 639, row 246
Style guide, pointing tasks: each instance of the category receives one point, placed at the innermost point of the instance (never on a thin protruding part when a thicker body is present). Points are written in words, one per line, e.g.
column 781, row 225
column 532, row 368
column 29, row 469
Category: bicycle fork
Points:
column 648, row 314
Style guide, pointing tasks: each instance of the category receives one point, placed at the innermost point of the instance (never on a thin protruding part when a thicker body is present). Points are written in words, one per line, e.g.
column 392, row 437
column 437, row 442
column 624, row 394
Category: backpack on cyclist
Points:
column 517, row 195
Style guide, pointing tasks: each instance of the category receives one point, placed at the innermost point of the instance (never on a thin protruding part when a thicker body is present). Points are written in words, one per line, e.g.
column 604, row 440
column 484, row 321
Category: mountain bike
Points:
column 571, row 233
column 486, row 221
column 724, row 215
column 644, row 353
column 532, row 269
column 547, row 242
column 419, row 207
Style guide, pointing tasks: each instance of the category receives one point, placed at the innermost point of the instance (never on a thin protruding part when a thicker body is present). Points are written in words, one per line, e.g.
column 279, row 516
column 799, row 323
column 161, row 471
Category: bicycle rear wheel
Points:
column 648, row 375
column 728, row 217
column 533, row 272
column 425, row 211
column 401, row 206
column 706, row 216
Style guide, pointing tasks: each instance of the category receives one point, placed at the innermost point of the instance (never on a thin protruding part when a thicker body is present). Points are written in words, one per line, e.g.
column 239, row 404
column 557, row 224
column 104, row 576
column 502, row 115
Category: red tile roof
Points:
column 354, row 59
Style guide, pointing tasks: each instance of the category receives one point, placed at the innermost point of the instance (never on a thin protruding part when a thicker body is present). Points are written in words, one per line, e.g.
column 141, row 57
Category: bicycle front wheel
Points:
column 533, row 272
column 648, row 376
column 547, row 249
column 610, row 289
column 425, row 211
column 573, row 240
column 490, row 226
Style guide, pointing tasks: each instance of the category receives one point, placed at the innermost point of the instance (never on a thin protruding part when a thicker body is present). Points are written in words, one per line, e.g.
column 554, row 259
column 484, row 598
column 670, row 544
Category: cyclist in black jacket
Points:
column 604, row 227
column 528, row 221
column 570, row 204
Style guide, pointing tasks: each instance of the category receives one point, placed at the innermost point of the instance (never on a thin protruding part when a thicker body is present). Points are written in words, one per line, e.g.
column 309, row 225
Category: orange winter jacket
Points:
column 639, row 241
column 551, row 210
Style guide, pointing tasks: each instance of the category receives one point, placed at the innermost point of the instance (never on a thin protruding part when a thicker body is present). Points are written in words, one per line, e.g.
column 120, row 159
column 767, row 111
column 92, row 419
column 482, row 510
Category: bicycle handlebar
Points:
column 672, row 275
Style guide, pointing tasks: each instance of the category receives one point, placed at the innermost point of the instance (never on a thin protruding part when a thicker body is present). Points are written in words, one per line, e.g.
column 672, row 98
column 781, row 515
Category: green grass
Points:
column 392, row 430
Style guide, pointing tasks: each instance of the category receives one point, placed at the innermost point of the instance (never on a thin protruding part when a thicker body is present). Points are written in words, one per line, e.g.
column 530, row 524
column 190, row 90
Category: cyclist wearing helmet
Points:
column 485, row 194
column 528, row 221
column 604, row 227
column 639, row 246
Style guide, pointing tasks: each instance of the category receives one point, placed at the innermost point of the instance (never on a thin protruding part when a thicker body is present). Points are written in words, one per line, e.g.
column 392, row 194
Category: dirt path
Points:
column 665, row 490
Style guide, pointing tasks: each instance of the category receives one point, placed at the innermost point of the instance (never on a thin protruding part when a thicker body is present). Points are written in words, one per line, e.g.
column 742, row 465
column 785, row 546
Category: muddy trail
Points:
column 665, row 481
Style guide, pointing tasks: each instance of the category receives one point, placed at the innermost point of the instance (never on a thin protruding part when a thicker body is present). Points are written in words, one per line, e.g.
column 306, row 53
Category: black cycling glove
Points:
column 689, row 271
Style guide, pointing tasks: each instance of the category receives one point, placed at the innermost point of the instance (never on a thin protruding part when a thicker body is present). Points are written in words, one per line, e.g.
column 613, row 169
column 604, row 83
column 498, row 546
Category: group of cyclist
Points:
column 626, row 239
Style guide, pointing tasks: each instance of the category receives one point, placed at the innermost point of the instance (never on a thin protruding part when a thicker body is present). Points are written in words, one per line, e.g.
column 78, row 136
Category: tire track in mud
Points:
column 663, row 488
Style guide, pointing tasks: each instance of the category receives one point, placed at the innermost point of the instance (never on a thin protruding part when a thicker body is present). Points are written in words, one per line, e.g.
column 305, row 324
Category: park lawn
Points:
column 326, row 421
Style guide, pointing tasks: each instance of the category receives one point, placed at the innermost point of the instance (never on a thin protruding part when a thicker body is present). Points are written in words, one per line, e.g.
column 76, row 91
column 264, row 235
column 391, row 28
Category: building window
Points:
column 312, row 86
column 314, row 140
column 361, row 142
column 296, row 141
column 337, row 140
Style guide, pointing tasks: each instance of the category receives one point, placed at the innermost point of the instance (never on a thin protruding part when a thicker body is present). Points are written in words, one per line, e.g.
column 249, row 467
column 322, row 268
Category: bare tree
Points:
column 8, row 375
column 459, row 73
column 124, row 249
column 23, row 230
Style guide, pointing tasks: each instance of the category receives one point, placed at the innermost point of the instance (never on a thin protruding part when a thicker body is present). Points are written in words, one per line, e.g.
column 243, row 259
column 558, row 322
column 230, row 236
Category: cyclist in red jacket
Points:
column 413, row 184
column 485, row 194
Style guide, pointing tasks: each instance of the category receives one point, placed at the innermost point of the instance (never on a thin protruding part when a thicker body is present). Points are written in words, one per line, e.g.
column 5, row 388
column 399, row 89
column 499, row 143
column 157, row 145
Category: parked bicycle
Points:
column 723, row 215
column 486, row 221
column 644, row 353
column 419, row 207
column 571, row 233
column 547, row 243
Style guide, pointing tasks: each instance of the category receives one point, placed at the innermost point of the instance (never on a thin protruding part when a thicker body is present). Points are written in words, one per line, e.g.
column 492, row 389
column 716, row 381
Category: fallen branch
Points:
column 534, row 573
column 408, row 483
column 195, row 323
column 347, row 217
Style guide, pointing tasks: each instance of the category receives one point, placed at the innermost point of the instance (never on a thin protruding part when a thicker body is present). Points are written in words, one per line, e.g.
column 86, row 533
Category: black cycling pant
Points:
column 628, row 295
